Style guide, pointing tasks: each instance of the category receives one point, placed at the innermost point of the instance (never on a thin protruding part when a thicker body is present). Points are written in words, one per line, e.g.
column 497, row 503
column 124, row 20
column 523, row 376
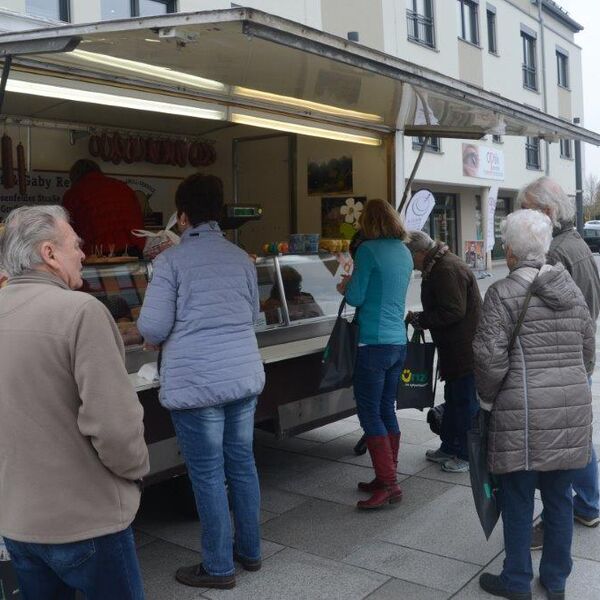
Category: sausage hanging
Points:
column 21, row 169
column 8, row 173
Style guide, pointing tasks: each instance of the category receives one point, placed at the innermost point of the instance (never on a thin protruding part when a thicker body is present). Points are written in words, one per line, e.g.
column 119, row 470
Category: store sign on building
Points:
column 483, row 162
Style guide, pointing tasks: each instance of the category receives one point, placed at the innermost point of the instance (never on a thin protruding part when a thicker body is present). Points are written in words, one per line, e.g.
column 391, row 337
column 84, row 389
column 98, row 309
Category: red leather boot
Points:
column 375, row 484
column 380, row 449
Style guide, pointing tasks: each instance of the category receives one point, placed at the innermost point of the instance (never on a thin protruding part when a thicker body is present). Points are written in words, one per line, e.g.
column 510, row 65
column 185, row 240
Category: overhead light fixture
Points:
column 135, row 101
column 301, row 128
column 308, row 104
column 146, row 69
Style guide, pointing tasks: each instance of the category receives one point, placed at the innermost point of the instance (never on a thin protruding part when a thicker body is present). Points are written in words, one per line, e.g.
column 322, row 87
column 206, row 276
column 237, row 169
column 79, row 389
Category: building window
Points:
column 149, row 8
column 419, row 20
column 432, row 145
column 468, row 28
column 562, row 65
column 529, row 61
column 491, row 29
column 566, row 150
column 497, row 139
column 59, row 10
column 532, row 151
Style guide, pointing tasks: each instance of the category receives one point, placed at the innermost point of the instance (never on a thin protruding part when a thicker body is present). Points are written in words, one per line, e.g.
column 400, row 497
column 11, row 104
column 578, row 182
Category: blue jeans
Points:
column 461, row 406
column 516, row 499
column 585, row 485
column 376, row 376
column 216, row 443
column 101, row 568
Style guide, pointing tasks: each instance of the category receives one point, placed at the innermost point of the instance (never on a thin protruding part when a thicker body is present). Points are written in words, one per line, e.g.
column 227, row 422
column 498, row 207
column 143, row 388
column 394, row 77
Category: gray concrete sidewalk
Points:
column 316, row 545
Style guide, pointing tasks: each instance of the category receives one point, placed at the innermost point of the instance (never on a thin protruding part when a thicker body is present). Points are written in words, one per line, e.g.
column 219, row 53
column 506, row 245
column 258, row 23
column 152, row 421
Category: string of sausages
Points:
column 178, row 153
column 8, row 168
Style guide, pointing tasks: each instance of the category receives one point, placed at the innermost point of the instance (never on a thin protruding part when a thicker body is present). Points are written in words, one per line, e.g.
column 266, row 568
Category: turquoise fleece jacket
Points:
column 382, row 270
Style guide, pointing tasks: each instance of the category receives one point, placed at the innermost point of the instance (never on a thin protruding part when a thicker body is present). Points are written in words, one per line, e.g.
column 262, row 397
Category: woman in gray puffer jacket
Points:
column 540, row 402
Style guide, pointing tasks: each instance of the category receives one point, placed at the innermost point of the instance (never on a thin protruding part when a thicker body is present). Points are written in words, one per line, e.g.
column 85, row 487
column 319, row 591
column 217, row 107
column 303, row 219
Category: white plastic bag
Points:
column 157, row 242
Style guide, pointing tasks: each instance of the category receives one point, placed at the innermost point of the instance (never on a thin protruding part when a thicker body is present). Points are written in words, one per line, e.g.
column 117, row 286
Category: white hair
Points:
column 545, row 193
column 419, row 241
column 528, row 234
column 25, row 230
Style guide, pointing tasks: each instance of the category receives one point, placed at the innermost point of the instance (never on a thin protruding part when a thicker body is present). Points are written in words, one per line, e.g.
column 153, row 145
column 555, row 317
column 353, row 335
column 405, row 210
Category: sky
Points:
column 587, row 13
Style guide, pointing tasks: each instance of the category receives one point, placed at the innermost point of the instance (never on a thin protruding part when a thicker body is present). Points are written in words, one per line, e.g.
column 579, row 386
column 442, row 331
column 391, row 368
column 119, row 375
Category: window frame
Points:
column 415, row 21
column 529, row 70
column 433, row 145
column 473, row 6
column 533, row 145
column 64, row 11
column 562, row 59
column 170, row 4
column 490, row 15
column 566, row 144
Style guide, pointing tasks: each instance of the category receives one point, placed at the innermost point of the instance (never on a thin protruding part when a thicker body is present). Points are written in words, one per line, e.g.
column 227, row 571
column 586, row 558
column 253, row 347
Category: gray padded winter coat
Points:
column 539, row 394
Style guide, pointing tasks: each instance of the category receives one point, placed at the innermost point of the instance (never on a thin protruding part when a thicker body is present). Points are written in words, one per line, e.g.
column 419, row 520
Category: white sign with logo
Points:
column 48, row 187
column 418, row 210
column 483, row 162
column 491, row 207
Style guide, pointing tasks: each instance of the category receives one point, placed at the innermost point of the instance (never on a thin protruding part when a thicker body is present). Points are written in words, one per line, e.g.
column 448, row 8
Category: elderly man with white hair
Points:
column 534, row 350
column 72, row 447
column 567, row 247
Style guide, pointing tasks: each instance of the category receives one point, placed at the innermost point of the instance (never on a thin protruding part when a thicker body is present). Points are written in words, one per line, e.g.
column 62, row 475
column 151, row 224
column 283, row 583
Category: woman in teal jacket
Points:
column 378, row 286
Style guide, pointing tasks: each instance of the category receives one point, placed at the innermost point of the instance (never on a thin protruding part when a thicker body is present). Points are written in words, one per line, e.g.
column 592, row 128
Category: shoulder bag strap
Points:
column 517, row 328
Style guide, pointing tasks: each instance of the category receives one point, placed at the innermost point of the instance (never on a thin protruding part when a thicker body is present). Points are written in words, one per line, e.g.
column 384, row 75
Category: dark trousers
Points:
column 460, row 408
column 517, row 503
column 102, row 568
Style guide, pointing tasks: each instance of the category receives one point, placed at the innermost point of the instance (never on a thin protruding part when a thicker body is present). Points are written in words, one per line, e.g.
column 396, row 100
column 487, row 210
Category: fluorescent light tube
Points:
column 141, row 68
column 303, row 129
column 307, row 104
column 171, row 107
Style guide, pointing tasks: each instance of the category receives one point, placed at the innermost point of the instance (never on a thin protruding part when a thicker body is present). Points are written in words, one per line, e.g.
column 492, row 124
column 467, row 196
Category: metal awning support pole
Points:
column 5, row 73
column 578, row 183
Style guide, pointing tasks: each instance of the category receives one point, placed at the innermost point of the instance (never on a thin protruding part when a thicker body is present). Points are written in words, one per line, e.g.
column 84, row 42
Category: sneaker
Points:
column 587, row 521
column 437, row 456
column 492, row 584
column 537, row 536
column 196, row 576
column 456, row 465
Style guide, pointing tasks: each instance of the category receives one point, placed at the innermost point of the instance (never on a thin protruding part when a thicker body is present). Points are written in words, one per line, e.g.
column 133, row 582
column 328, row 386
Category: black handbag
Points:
column 339, row 357
column 483, row 483
column 416, row 385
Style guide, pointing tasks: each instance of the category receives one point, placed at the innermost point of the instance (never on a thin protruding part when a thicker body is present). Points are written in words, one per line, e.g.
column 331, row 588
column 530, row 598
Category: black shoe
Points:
column 537, row 536
column 196, row 576
column 249, row 565
column 553, row 595
column 492, row 584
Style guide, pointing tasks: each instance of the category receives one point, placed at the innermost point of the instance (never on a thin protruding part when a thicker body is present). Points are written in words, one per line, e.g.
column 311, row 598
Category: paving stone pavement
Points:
column 316, row 545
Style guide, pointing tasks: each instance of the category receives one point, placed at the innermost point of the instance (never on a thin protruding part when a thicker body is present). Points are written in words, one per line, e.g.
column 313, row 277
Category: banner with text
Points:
column 483, row 162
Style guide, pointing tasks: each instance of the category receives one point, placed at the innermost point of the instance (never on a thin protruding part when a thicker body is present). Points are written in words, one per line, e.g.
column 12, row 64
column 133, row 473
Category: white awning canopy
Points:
column 245, row 66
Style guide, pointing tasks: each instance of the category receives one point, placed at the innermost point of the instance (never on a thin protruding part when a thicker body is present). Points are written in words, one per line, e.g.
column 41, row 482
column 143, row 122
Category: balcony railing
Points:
column 420, row 29
column 529, row 77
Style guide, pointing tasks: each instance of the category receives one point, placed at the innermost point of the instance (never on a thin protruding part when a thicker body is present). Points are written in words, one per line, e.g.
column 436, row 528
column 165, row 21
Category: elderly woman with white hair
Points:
column 534, row 350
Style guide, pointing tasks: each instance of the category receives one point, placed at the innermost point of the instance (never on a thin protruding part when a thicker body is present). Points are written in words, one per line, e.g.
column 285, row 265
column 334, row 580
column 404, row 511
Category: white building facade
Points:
column 523, row 50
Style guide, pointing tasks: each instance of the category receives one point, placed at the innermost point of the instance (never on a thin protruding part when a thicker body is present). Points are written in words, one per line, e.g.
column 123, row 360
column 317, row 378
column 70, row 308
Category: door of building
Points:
column 441, row 225
column 503, row 208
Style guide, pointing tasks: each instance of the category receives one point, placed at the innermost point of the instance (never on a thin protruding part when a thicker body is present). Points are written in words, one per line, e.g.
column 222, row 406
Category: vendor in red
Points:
column 103, row 210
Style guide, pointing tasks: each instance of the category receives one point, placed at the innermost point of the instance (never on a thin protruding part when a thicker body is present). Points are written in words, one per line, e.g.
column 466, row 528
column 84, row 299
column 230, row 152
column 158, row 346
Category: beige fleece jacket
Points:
column 71, row 432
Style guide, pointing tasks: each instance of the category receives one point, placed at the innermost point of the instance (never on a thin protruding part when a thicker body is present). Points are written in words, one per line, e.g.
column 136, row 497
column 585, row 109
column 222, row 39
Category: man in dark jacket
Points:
column 451, row 305
column 567, row 247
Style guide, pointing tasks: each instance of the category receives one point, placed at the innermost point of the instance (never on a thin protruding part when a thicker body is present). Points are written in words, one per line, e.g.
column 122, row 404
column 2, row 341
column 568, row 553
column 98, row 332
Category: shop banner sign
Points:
column 483, row 162
column 491, row 225
column 418, row 210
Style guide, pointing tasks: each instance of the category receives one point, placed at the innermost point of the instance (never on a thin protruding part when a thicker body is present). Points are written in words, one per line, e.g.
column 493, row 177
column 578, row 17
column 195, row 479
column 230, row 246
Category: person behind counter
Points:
column 72, row 447
column 103, row 210
column 201, row 306
column 378, row 287
column 301, row 305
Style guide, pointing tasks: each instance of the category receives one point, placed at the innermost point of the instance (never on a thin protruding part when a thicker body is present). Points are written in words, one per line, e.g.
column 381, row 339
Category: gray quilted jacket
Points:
column 538, row 393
